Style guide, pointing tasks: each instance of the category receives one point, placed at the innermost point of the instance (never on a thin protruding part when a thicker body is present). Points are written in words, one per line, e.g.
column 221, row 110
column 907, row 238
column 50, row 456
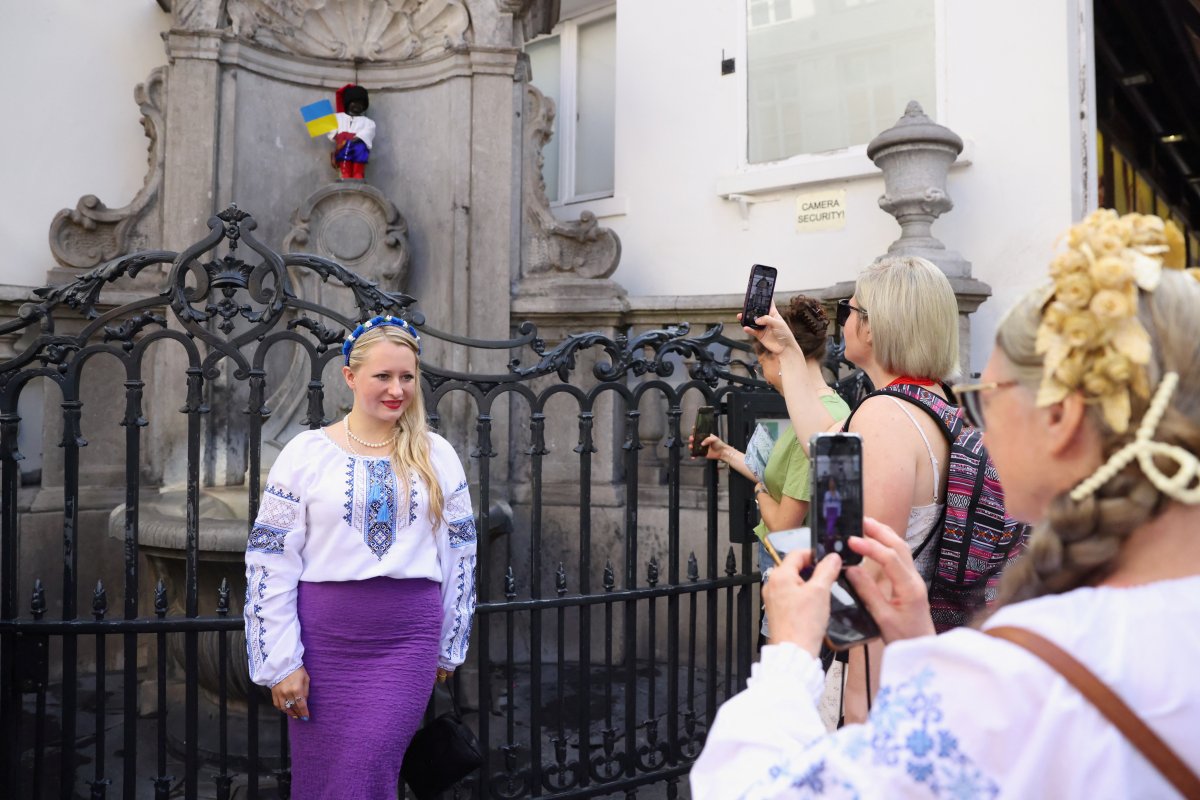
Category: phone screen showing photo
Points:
column 760, row 289
column 836, row 493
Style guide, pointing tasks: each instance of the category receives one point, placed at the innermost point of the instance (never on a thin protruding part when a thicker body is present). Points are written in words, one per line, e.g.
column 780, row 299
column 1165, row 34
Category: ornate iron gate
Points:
column 603, row 683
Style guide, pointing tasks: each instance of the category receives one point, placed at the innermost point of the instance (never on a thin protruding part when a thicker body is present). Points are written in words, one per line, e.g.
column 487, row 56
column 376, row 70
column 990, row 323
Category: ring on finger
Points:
column 289, row 703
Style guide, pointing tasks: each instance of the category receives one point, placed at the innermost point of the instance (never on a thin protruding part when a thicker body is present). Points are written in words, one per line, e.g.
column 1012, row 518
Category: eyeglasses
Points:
column 970, row 397
column 843, row 312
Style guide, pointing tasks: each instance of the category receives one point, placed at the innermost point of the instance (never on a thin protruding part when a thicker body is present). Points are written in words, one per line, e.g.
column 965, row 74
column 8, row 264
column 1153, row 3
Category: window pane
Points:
column 545, row 60
column 823, row 76
column 596, row 107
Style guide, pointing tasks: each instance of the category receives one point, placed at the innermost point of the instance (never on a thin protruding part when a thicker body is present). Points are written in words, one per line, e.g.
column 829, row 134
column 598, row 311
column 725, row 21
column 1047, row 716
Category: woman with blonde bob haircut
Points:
column 1090, row 404
column 913, row 317
column 360, row 573
column 900, row 327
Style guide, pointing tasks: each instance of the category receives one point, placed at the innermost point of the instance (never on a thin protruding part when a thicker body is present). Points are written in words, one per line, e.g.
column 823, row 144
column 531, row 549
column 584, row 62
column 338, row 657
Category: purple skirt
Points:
column 370, row 648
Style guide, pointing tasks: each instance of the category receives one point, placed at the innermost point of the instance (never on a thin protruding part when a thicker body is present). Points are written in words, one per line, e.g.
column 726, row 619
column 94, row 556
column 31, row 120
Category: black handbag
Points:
column 441, row 754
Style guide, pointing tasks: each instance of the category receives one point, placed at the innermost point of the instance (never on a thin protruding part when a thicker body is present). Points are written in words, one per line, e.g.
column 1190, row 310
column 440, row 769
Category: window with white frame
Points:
column 575, row 65
column 828, row 74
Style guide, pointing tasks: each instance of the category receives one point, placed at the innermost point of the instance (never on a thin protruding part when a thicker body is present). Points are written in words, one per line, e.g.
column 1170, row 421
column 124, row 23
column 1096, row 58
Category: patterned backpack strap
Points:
column 946, row 415
column 949, row 422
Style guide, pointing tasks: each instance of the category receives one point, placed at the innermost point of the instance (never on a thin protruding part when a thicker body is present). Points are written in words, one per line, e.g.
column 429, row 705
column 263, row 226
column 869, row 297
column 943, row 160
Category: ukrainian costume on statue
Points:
column 348, row 577
column 355, row 134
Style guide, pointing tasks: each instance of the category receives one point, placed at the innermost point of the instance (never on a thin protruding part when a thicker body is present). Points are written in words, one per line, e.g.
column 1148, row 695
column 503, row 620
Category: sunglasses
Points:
column 970, row 398
column 843, row 312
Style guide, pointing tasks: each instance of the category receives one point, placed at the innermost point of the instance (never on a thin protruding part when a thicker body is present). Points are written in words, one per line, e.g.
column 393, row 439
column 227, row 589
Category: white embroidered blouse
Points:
column 965, row 715
column 327, row 515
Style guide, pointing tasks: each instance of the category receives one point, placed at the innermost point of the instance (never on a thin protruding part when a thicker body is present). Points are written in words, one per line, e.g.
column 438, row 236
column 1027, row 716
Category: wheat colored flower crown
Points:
column 1090, row 336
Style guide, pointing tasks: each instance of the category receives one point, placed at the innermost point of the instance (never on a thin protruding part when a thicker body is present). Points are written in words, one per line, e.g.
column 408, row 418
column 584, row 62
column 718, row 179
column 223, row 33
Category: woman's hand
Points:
column 799, row 609
column 443, row 674
column 290, row 695
column 775, row 335
column 898, row 598
column 716, row 450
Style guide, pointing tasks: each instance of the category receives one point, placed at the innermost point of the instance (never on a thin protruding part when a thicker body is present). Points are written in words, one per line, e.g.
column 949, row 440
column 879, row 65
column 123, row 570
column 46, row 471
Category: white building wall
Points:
column 74, row 129
column 1006, row 87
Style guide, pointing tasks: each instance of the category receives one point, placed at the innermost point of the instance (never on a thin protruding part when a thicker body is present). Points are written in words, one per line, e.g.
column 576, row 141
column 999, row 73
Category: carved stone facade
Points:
column 355, row 225
column 92, row 232
column 366, row 30
column 558, row 257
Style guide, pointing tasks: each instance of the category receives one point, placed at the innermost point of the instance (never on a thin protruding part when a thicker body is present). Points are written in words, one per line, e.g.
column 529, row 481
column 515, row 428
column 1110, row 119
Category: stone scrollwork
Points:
column 93, row 233
column 354, row 224
column 552, row 248
column 368, row 30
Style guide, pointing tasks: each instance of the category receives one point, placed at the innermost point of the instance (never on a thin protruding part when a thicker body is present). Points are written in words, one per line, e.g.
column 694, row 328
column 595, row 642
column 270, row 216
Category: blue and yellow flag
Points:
column 319, row 117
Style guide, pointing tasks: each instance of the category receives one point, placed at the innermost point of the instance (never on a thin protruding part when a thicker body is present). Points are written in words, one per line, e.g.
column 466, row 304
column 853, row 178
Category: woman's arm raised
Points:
column 808, row 414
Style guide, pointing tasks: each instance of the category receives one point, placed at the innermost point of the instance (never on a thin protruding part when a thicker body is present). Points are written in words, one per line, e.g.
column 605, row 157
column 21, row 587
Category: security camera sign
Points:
column 821, row 211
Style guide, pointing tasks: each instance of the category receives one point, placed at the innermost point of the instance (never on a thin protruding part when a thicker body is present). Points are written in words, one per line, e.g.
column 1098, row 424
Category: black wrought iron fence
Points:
column 603, row 642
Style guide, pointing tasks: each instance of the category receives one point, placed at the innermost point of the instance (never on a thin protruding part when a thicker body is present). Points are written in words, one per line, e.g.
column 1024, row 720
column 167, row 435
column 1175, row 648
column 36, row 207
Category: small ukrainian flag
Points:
column 319, row 117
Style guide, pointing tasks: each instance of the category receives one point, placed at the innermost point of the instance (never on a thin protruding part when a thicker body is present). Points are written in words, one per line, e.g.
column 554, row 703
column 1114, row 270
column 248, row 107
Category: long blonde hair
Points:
column 1080, row 541
column 410, row 454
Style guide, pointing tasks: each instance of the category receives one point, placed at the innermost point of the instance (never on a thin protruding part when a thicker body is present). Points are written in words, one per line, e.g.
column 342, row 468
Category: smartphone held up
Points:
column 706, row 425
column 837, row 508
column 760, row 289
column 837, row 514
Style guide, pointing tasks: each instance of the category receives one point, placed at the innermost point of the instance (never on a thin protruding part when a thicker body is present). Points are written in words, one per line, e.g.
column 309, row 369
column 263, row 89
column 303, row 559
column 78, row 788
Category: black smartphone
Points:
column 849, row 623
column 837, row 514
column 706, row 425
column 836, row 500
column 759, row 291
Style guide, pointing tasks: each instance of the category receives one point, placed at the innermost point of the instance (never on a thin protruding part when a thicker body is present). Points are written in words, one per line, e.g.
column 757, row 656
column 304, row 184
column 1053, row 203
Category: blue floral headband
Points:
column 375, row 322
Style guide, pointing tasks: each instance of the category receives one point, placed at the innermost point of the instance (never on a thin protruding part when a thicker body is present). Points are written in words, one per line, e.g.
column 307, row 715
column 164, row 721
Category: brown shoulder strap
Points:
column 1147, row 742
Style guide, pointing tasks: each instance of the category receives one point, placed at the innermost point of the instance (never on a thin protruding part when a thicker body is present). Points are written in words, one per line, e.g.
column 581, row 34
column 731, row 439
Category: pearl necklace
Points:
column 351, row 437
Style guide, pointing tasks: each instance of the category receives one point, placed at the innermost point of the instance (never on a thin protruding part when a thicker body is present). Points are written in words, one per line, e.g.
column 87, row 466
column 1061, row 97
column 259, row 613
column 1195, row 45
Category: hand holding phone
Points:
column 837, row 515
column 706, row 425
column 760, row 290
column 798, row 608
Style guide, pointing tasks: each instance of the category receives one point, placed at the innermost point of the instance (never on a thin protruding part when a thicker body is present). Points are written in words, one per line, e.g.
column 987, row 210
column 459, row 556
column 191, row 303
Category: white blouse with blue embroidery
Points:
column 965, row 715
column 327, row 515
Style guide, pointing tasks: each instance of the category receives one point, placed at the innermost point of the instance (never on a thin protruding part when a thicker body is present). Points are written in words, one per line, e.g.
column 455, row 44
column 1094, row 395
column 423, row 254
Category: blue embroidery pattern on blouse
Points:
column 373, row 499
column 277, row 514
column 462, row 533
column 348, row 517
column 460, row 519
column 905, row 733
column 259, row 634
column 282, row 493
column 460, row 634
column 380, row 512
column 264, row 539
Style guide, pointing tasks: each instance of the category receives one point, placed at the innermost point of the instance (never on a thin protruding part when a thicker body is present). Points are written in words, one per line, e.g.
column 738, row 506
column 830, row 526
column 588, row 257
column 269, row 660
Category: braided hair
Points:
column 1080, row 541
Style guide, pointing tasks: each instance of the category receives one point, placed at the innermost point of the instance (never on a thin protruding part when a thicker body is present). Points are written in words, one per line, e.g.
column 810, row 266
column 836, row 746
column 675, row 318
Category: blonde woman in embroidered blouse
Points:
column 361, row 574
column 1112, row 576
